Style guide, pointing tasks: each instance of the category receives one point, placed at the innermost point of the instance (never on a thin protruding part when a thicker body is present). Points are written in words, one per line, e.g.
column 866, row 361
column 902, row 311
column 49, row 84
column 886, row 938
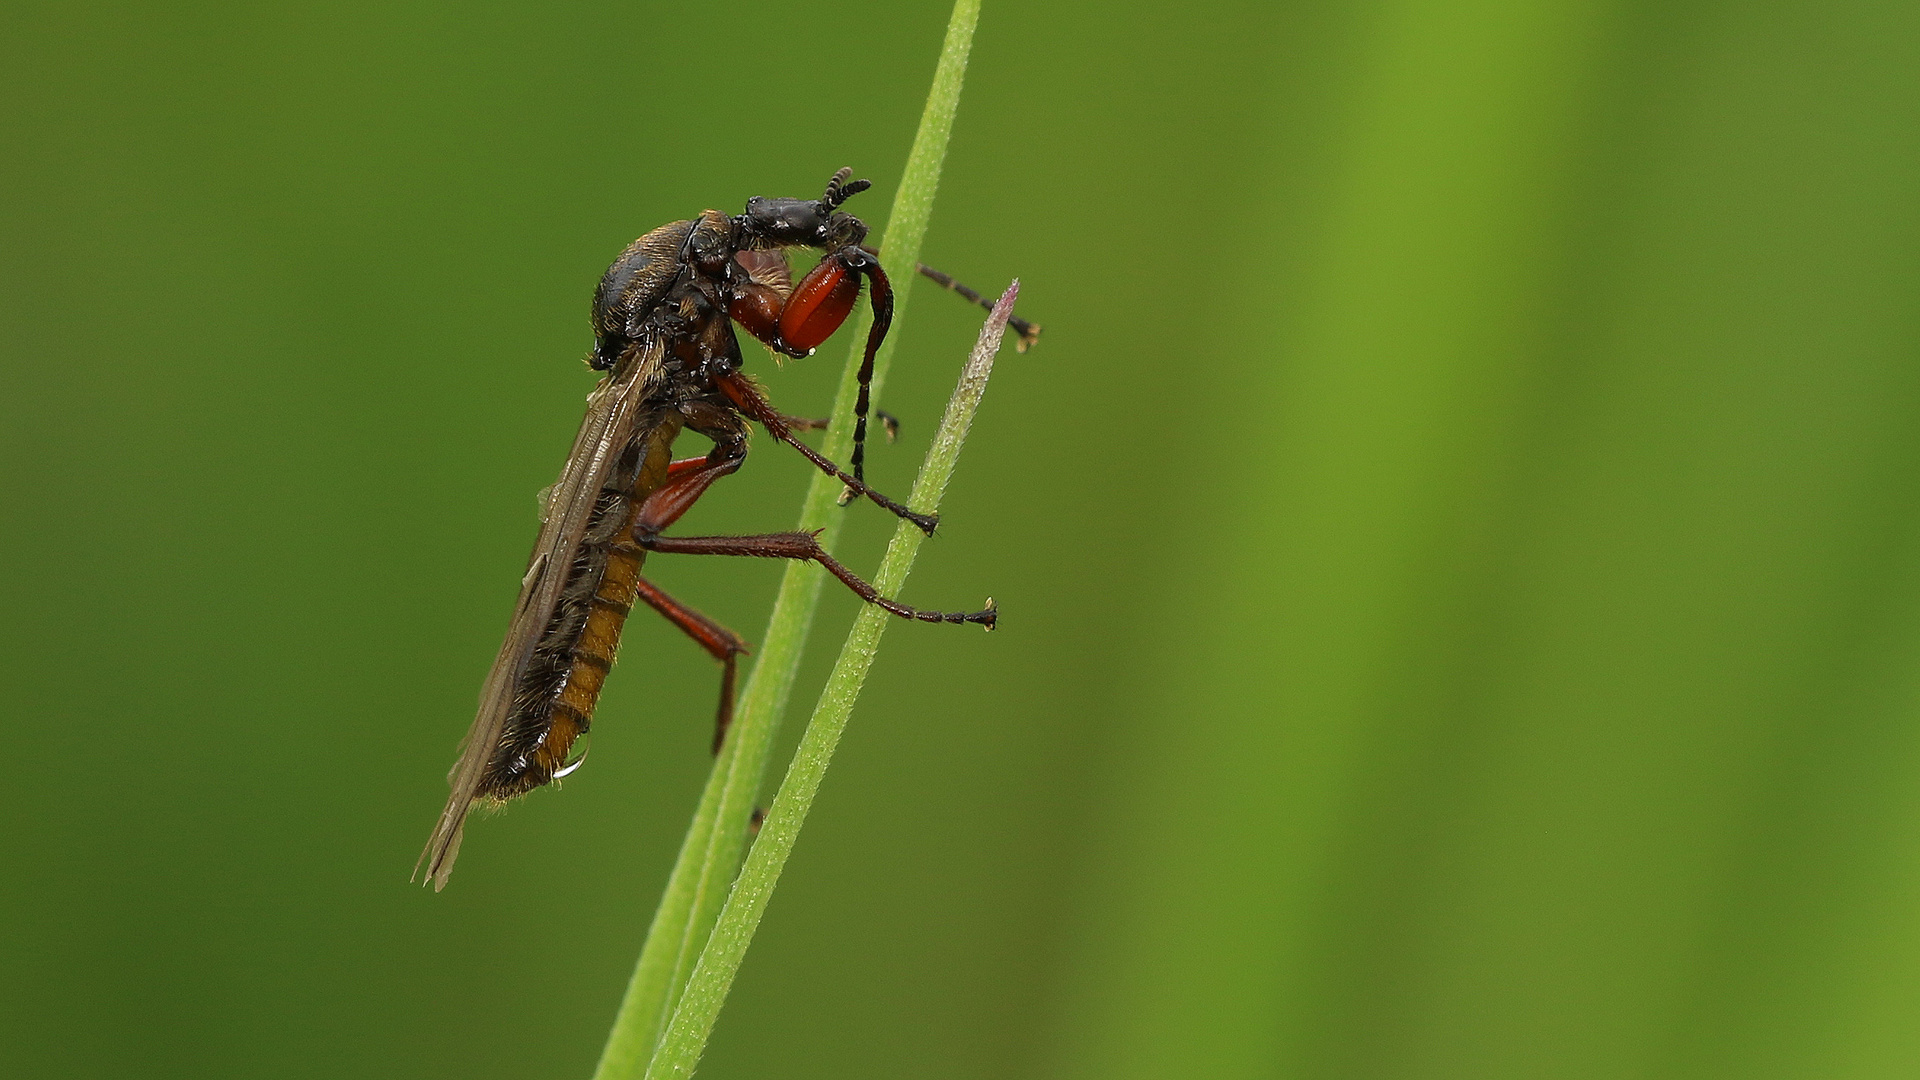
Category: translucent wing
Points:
column 615, row 412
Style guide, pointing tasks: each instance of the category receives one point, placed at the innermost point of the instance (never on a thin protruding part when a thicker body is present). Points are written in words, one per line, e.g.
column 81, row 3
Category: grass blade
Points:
column 706, row 991
column 711, row 851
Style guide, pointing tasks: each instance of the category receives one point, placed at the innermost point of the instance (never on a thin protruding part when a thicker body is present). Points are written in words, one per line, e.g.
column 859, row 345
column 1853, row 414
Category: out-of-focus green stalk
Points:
column 706, row 991
column 711, row 851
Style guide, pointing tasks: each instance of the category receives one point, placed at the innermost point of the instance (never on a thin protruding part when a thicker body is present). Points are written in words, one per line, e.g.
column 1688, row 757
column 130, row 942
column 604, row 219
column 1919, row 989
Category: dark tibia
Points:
column 880, row 295
column 1028, row 332
column 801, row 545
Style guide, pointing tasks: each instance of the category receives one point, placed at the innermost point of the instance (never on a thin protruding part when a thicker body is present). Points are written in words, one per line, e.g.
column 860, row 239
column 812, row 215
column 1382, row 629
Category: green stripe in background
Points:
column 1541, row 704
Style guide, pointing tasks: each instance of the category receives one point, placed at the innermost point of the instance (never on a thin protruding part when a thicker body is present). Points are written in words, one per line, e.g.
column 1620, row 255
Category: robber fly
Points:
column 663, row 320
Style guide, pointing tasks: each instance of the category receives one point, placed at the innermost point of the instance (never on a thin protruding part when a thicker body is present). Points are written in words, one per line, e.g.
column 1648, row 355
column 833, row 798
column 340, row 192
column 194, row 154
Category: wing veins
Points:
column 613, row 413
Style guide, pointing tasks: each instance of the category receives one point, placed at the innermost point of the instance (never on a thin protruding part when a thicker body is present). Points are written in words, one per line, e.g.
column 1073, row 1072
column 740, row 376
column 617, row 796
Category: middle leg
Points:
column 748, row 399
column 889, row 423
column 806, row 546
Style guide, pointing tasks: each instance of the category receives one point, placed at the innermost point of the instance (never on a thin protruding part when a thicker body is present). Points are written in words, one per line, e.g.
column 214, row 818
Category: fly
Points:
column 663, row 319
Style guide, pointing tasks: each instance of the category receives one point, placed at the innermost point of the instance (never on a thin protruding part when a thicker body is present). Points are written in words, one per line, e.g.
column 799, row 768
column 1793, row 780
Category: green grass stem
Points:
column 711, row 851
column 706, row 991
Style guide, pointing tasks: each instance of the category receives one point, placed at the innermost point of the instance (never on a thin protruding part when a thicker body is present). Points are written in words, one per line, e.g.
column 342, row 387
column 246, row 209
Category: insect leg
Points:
column 748, row 399
column 889, row 423
column 1029, row 332
column 880, row 296
column 721, row 643
column 803, row 545
column 688, row 479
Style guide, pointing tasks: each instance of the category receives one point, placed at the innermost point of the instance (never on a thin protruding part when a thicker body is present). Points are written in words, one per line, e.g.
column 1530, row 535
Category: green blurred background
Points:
column 1457, row 540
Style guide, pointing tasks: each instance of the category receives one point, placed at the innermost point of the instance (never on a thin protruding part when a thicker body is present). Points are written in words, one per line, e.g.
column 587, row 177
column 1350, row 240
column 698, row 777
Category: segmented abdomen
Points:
column 554, row 700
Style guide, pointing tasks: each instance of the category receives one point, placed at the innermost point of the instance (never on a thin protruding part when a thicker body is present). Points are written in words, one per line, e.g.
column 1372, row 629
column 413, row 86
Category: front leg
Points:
column 794, row 322
column 748, row 399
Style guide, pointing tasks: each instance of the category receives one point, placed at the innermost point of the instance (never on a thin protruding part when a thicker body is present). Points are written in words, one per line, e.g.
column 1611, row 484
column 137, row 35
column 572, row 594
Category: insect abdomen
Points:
column 554, row 701
column 590, row 658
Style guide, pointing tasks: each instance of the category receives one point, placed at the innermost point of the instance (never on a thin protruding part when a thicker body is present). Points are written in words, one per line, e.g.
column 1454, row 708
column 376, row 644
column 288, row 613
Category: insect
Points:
column 663, row 320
